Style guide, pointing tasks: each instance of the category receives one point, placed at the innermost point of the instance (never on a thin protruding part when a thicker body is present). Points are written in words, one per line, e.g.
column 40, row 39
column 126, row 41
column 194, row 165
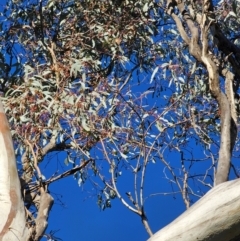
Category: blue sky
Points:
column 77, row 216
column 81, row 219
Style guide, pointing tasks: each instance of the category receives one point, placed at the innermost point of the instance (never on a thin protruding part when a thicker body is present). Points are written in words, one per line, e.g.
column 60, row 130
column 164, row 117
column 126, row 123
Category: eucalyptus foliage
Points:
column 113, row 84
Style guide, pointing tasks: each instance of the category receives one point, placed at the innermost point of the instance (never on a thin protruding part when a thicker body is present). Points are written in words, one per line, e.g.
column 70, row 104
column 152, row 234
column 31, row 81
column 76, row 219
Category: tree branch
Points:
column 209, row 218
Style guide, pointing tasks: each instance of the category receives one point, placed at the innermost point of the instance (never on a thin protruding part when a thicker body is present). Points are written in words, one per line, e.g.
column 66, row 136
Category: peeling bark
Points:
column 46, row 202
column 12, row 213
column 202, row 54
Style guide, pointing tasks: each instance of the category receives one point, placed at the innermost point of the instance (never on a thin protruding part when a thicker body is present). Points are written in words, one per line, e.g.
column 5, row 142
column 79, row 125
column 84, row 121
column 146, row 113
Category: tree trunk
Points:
column 215, row 217
column 12, row 212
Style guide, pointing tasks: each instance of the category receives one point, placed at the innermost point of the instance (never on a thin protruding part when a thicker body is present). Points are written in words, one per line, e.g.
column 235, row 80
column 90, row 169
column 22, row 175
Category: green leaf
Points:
column 66, row 161
column 25, row 119
column 145, row 7
column 84, row 125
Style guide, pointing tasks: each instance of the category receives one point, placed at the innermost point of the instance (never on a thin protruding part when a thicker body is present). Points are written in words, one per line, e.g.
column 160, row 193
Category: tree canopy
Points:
column 118, row 86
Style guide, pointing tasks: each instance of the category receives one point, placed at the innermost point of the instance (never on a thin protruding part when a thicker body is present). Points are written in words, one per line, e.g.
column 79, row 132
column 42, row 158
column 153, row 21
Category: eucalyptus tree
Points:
column 119, row 86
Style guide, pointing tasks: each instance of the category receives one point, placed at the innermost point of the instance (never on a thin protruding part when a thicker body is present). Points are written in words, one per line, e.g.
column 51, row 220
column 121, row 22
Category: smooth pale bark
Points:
column 215, row 217
column 12, row 213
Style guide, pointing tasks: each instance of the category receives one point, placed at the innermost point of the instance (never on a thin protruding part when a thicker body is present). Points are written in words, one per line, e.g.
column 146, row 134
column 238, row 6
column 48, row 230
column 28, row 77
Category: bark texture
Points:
column 12, row 213
column 199, row 26
column 215, row 217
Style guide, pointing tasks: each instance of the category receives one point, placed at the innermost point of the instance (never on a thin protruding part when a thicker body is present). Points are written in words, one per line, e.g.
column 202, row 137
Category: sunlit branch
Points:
column 114, row 184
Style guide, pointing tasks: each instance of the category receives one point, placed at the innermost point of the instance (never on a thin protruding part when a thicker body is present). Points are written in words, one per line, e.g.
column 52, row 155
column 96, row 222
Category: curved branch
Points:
column 45, row 205
column 114, row 184
column 202, row 55
column 227, row 140
column 69, row 172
